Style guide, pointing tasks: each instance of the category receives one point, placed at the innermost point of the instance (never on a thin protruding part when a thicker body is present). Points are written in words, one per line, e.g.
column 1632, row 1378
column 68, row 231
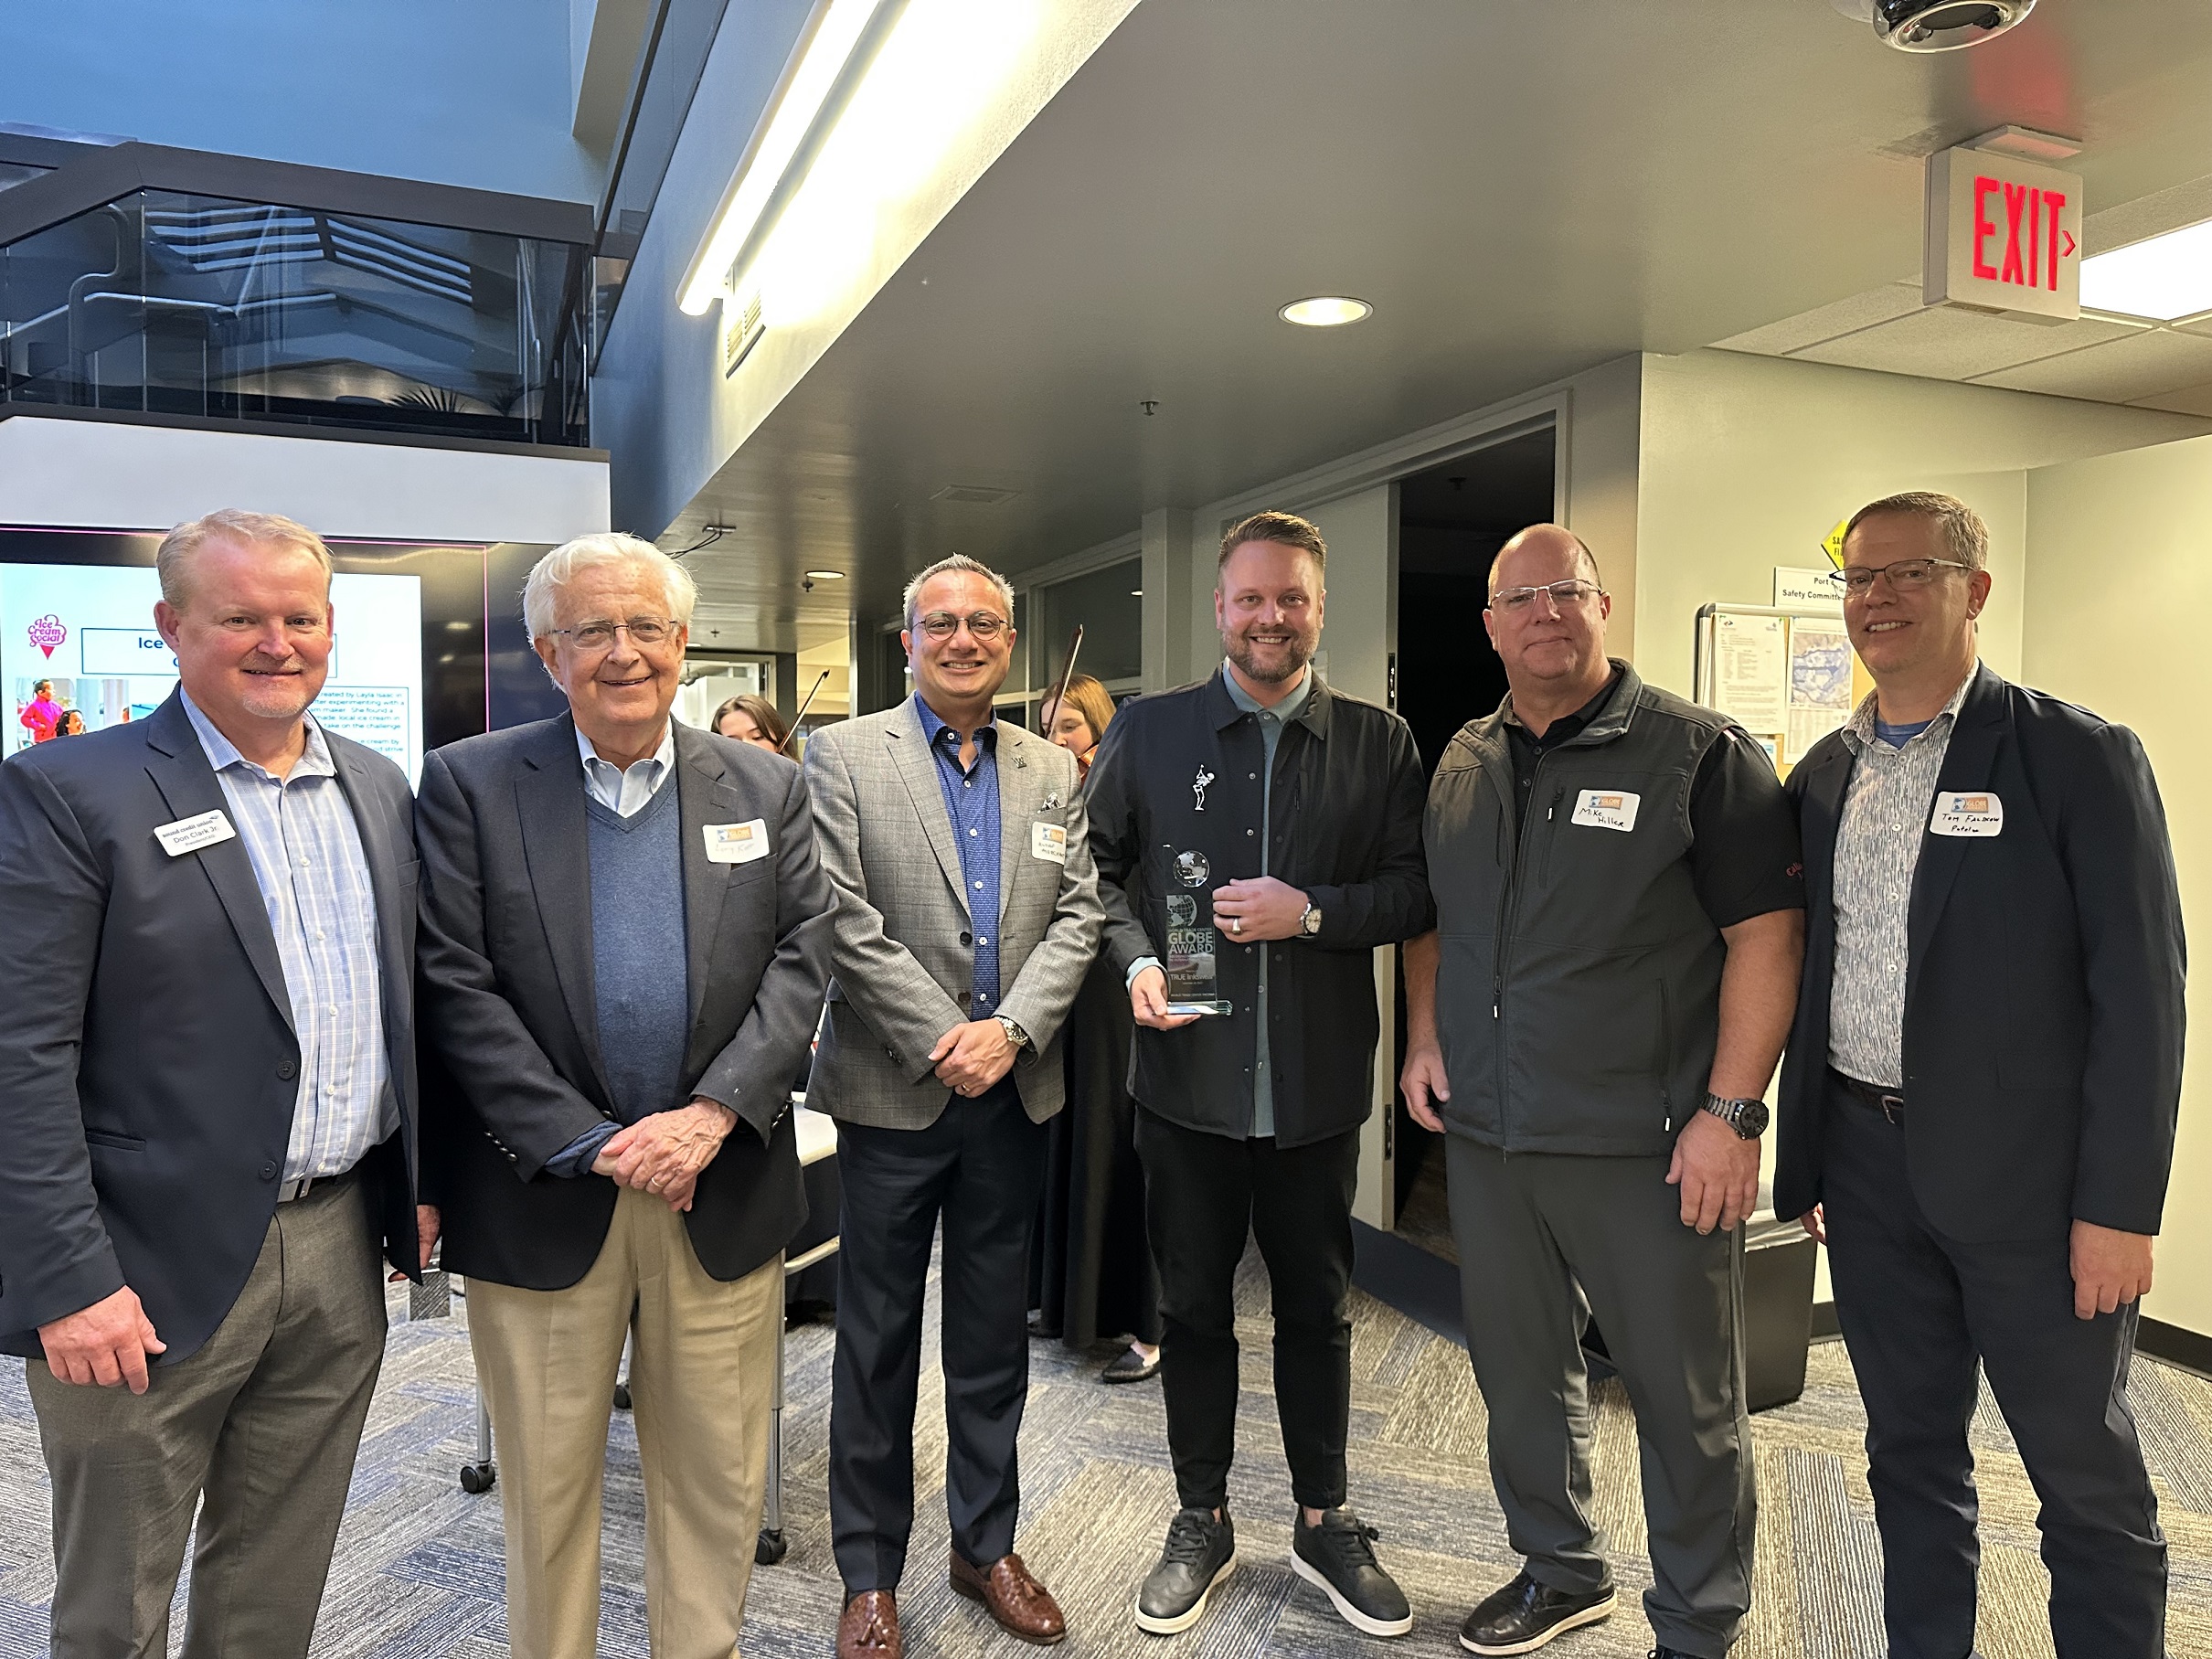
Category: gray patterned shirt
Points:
column 1877, row 847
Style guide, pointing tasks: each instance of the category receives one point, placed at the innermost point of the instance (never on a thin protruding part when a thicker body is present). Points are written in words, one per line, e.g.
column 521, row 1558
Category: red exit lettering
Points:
column 2032, row 264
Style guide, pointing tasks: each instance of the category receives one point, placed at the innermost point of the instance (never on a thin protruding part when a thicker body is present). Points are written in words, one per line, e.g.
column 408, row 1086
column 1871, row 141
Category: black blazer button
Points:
column 288, row 1070
column 967, row 939
column 268, row 1172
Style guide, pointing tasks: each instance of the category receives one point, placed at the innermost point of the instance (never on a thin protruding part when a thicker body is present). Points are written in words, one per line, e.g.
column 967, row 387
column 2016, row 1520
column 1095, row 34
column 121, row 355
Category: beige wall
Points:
column 2119, row 585
column 1747, row 462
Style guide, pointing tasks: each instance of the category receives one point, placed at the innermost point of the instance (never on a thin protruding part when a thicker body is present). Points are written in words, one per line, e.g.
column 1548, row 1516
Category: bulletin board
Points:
column 1787, row 677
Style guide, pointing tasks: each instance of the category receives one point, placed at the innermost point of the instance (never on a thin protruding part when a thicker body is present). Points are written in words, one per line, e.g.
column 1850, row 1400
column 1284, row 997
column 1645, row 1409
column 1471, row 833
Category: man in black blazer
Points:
column 208, row 1102
column 1978, row 1107
column 624, row 933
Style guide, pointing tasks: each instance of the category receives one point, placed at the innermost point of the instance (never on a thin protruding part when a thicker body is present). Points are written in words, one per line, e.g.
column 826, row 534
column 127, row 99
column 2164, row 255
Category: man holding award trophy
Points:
column 1257, row 835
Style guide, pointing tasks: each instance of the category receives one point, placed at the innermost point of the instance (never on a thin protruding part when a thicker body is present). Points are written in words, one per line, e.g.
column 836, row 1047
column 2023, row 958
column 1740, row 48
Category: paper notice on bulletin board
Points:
column 1820, row 684
column 1751, row 672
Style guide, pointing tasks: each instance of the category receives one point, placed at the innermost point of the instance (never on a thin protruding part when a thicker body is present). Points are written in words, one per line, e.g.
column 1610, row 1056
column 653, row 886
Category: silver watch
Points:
column 1308, row 920
column 1015, row 1033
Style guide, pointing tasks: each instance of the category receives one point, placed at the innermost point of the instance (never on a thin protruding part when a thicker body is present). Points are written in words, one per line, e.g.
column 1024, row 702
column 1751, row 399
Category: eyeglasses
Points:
column 597, row 636
column 1514, row 600
column 943, row 625
column 1905, row 575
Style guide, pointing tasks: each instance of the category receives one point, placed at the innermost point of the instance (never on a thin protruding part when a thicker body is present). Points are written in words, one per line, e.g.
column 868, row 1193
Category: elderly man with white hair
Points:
column 625, row 938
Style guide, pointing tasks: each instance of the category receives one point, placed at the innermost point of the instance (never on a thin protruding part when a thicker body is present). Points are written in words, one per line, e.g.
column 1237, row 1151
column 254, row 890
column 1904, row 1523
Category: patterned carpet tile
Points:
column 420, row 1573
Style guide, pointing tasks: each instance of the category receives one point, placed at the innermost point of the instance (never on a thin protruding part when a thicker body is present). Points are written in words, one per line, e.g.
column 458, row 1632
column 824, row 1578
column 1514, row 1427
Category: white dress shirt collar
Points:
column 625, row 791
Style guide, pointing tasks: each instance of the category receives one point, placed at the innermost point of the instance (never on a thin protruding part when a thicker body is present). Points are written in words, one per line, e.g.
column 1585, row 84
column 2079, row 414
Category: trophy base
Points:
column 1216, row 1007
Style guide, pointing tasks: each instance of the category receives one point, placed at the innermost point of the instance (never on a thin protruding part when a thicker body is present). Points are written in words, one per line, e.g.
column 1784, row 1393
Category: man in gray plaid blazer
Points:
column 967, row 913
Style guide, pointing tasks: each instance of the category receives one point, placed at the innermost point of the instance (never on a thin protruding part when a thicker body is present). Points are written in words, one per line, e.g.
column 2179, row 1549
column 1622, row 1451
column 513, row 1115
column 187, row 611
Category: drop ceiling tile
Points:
column 2188, row 400
column 1827, row 322
column 2140, row 365
column 1951, row 342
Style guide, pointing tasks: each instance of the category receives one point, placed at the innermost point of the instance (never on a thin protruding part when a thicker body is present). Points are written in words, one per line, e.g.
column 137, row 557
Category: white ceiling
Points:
column 1522, row 188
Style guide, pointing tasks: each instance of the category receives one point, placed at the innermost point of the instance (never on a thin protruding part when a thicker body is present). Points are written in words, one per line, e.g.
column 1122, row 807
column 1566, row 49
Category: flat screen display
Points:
column 79, row 648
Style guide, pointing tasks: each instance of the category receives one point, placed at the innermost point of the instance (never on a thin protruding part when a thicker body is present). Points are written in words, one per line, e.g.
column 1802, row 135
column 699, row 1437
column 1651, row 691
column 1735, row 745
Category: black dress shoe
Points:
column 1525, row 1615
column 1131, row 1367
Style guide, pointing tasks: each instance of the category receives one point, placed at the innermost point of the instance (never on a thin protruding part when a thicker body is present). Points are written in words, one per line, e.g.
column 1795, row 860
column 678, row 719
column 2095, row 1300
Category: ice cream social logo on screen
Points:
column 48, row 633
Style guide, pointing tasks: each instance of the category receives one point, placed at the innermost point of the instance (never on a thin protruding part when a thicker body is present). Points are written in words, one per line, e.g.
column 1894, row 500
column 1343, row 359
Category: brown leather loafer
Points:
column 1010, row 1594
column 869, row 1628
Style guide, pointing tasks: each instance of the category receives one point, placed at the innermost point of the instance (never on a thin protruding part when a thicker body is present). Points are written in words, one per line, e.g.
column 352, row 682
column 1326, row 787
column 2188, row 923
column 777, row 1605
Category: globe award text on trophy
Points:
column 1193, row 947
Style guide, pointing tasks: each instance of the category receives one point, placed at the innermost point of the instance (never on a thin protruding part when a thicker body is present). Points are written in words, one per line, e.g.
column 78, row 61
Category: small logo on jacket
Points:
column 1198, row 786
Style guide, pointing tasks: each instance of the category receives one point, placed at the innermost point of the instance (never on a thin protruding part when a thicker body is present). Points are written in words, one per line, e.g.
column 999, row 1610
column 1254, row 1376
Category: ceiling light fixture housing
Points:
column 826, row 576
column 2165, row 278
column 1326, row 311
column 1937, row 25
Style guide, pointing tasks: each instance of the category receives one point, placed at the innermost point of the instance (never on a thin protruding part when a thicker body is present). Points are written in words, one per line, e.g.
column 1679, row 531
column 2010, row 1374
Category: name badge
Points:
column 1969, row 814
column 1612, row 808
column 190, row 834
column 1048, row 842
column 737, row 843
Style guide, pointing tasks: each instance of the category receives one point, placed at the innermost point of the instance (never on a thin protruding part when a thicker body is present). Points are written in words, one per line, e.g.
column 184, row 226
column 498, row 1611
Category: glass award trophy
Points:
column 1193, row 986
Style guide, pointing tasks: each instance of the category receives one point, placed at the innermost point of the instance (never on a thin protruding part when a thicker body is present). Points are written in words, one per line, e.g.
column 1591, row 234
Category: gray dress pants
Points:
column 258, row 1427
column 1530, row 1228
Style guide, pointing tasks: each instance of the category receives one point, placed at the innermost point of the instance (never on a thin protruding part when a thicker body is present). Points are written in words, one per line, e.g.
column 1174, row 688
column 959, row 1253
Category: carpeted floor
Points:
column 419, row 1570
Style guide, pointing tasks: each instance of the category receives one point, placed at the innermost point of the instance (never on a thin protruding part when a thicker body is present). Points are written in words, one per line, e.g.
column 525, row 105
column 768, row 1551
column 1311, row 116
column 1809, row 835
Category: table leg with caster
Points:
column 478, row 1476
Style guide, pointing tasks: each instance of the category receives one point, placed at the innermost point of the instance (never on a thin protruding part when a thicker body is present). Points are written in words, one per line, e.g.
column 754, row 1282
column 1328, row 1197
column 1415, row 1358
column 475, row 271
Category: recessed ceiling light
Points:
column 1326, row 311
column 2166, row 277
column 826, row 576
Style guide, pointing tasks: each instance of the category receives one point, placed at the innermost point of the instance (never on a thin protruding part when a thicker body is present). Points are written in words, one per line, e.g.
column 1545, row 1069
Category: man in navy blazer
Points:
column 1979, row 1102
column 208, row 1101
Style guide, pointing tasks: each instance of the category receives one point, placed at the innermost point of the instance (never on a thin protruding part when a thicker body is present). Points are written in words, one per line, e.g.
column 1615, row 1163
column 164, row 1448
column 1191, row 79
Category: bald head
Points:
column 1540, row 554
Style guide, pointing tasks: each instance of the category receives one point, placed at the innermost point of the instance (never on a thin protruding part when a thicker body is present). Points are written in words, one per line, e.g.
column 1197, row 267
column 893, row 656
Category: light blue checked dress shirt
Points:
column 300, row 835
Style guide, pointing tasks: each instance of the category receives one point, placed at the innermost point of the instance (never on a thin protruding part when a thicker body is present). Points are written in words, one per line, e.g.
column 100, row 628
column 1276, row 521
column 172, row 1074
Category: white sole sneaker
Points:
column 1352, row 1615
column 1589, row 1615
column 1197, row 1610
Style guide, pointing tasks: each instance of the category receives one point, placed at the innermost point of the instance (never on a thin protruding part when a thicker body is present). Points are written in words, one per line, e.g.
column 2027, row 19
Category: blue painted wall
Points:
column 475, row 92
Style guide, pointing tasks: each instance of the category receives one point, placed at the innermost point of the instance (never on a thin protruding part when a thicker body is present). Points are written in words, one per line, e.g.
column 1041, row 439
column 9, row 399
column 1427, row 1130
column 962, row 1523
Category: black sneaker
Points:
column 1525, row 1615
column 1339, row 1556
column 1199, row 1553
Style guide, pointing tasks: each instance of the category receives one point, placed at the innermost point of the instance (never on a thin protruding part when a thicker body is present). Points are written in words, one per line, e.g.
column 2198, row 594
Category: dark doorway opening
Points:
column 1451, row 521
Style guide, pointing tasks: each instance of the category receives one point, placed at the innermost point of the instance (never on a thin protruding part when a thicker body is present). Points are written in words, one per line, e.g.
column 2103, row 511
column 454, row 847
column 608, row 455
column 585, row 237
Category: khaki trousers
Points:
column 702, row 1383
column 258, row 1427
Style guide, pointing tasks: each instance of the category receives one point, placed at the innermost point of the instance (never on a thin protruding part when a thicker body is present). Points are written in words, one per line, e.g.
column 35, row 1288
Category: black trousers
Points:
column 978, row 1167
column 1917, row 1310
column 1203, row 1193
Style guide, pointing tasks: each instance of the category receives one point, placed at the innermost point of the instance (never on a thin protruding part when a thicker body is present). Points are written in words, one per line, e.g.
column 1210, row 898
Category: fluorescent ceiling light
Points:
column 826, row 576
column 1326, row 311
column 840, row 26
column 2166, row 277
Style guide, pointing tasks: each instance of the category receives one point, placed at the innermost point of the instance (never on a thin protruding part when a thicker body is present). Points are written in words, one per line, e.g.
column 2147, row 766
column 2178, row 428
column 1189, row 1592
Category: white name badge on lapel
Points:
column 190, row 834
column 1050, row 842
column 737, row 843
column 1976, row 813
column 1612, row 808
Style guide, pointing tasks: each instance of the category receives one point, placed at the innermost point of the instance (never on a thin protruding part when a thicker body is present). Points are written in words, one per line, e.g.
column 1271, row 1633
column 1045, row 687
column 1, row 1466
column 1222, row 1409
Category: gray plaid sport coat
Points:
column 901, row 956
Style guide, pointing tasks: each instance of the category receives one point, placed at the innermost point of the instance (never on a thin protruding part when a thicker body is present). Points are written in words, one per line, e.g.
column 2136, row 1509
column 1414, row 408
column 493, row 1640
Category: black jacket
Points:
column 1347, row 826
column 510, row 1016
column 148, row 1064
column 2043, row 981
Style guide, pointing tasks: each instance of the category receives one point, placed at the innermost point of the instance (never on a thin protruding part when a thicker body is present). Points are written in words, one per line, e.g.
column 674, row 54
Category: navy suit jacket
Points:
column 148, row 1064
column 512, row 1060
column 2043, row 981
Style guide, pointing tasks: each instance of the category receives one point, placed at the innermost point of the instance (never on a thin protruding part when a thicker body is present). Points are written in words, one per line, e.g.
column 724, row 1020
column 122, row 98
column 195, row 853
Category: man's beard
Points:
column 1296, row 654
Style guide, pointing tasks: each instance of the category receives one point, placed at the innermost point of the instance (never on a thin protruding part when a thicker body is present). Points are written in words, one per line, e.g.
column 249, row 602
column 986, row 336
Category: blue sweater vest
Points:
column 640, row 958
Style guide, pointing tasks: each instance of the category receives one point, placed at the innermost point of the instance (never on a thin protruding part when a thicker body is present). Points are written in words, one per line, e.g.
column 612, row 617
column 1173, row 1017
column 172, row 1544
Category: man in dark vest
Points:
column 1620, row 924
column 1258, row 835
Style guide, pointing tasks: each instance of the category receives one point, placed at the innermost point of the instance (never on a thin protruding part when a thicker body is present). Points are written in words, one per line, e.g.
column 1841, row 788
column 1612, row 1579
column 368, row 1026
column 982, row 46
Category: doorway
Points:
column 1451, row 521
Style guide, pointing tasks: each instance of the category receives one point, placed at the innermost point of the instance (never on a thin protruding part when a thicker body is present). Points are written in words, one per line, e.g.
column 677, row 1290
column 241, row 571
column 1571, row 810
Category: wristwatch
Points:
column 1015, row 1033
column 1308, row 920
column 1747, row 1118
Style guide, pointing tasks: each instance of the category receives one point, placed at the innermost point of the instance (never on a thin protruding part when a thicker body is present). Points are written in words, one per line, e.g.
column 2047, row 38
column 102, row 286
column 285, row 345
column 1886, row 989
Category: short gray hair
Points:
column 556, row 569
column 957, row 561
column 172, row 562
column 1964, row 533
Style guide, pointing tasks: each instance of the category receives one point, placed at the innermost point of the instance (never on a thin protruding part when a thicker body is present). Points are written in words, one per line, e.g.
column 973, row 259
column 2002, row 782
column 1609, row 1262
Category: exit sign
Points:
column 2003, row 235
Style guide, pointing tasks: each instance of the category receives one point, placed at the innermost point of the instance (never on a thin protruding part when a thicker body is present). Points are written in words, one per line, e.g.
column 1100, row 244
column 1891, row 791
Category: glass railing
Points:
column 196, row 306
